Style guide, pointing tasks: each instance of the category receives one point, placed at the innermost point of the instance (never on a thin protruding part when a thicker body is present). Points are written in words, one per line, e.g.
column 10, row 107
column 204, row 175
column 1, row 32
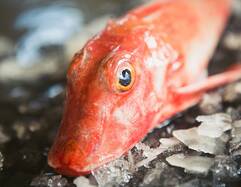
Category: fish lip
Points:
column 73, row 170
column 67, row 169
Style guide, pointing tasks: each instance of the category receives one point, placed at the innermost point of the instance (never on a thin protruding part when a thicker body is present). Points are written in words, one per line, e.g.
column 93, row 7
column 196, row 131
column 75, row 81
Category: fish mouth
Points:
column 72, row 170
column 68, row 170
column 75, row 168
column 76, row 153
column 70, row 162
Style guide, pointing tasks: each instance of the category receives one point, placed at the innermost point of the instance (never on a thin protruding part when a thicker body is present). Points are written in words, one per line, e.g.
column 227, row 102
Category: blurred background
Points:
column 37, row 41
column 37, row 34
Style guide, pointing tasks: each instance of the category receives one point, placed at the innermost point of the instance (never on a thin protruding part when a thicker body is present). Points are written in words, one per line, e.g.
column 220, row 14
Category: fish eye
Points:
column 125, row 78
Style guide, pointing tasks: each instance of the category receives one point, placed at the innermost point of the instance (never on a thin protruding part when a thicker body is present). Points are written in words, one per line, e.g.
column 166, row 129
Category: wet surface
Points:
column 31, row 107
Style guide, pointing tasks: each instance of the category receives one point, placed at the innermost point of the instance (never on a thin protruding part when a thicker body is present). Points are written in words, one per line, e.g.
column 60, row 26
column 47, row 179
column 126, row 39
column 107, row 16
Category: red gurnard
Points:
column 139, row 71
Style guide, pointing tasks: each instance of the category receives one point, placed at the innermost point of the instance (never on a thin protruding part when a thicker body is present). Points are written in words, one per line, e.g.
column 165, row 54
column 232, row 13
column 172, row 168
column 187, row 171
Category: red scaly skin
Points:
column 168, row 43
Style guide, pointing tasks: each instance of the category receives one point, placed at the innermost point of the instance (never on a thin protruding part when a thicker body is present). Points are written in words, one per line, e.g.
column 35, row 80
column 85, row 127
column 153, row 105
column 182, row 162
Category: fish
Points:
column 141, row 70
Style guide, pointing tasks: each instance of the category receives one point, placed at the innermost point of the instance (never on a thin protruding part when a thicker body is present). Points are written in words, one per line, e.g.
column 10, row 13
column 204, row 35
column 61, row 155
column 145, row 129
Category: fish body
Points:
column 140, row 70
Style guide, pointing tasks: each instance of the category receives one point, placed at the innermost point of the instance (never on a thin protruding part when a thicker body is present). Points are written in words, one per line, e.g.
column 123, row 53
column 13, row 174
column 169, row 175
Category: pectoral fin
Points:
column 230, row 75
column 190, row 95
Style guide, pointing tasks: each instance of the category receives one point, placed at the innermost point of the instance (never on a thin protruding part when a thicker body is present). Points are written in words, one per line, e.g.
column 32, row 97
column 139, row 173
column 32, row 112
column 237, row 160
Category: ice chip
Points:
column 211, row 103
column 237, row 124
column 235, row 143
column 152, row 177
column 232, row 92
column 215, row 118
column 169, row 142
column 82, row 182
column 149, row 153
column 195, row 164
column 197, row 142
column 214, row 125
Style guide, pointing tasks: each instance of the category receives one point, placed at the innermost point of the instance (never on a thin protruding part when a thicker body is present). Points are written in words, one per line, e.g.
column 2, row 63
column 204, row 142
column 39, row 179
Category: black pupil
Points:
column 125, row 77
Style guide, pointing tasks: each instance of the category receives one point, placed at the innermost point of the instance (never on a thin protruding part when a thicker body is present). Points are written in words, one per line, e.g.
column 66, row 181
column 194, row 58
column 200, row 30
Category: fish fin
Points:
column 230, row 75
column 187, row 96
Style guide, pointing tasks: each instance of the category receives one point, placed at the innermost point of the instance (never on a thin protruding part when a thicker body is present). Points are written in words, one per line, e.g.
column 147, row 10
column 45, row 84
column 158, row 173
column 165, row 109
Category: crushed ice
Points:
column 116, row 172
column 211, row 137
column 83, row 182
column 149, row 153
column 226, row 167
column 49, row 180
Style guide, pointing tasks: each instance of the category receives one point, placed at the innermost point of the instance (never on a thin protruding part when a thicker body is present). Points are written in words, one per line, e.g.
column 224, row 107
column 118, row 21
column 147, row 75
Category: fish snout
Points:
column 75, row 145
column 69, row 157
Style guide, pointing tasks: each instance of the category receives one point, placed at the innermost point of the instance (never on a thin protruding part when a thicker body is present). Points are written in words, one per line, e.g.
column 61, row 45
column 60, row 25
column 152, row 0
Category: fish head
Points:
column 106, row 110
